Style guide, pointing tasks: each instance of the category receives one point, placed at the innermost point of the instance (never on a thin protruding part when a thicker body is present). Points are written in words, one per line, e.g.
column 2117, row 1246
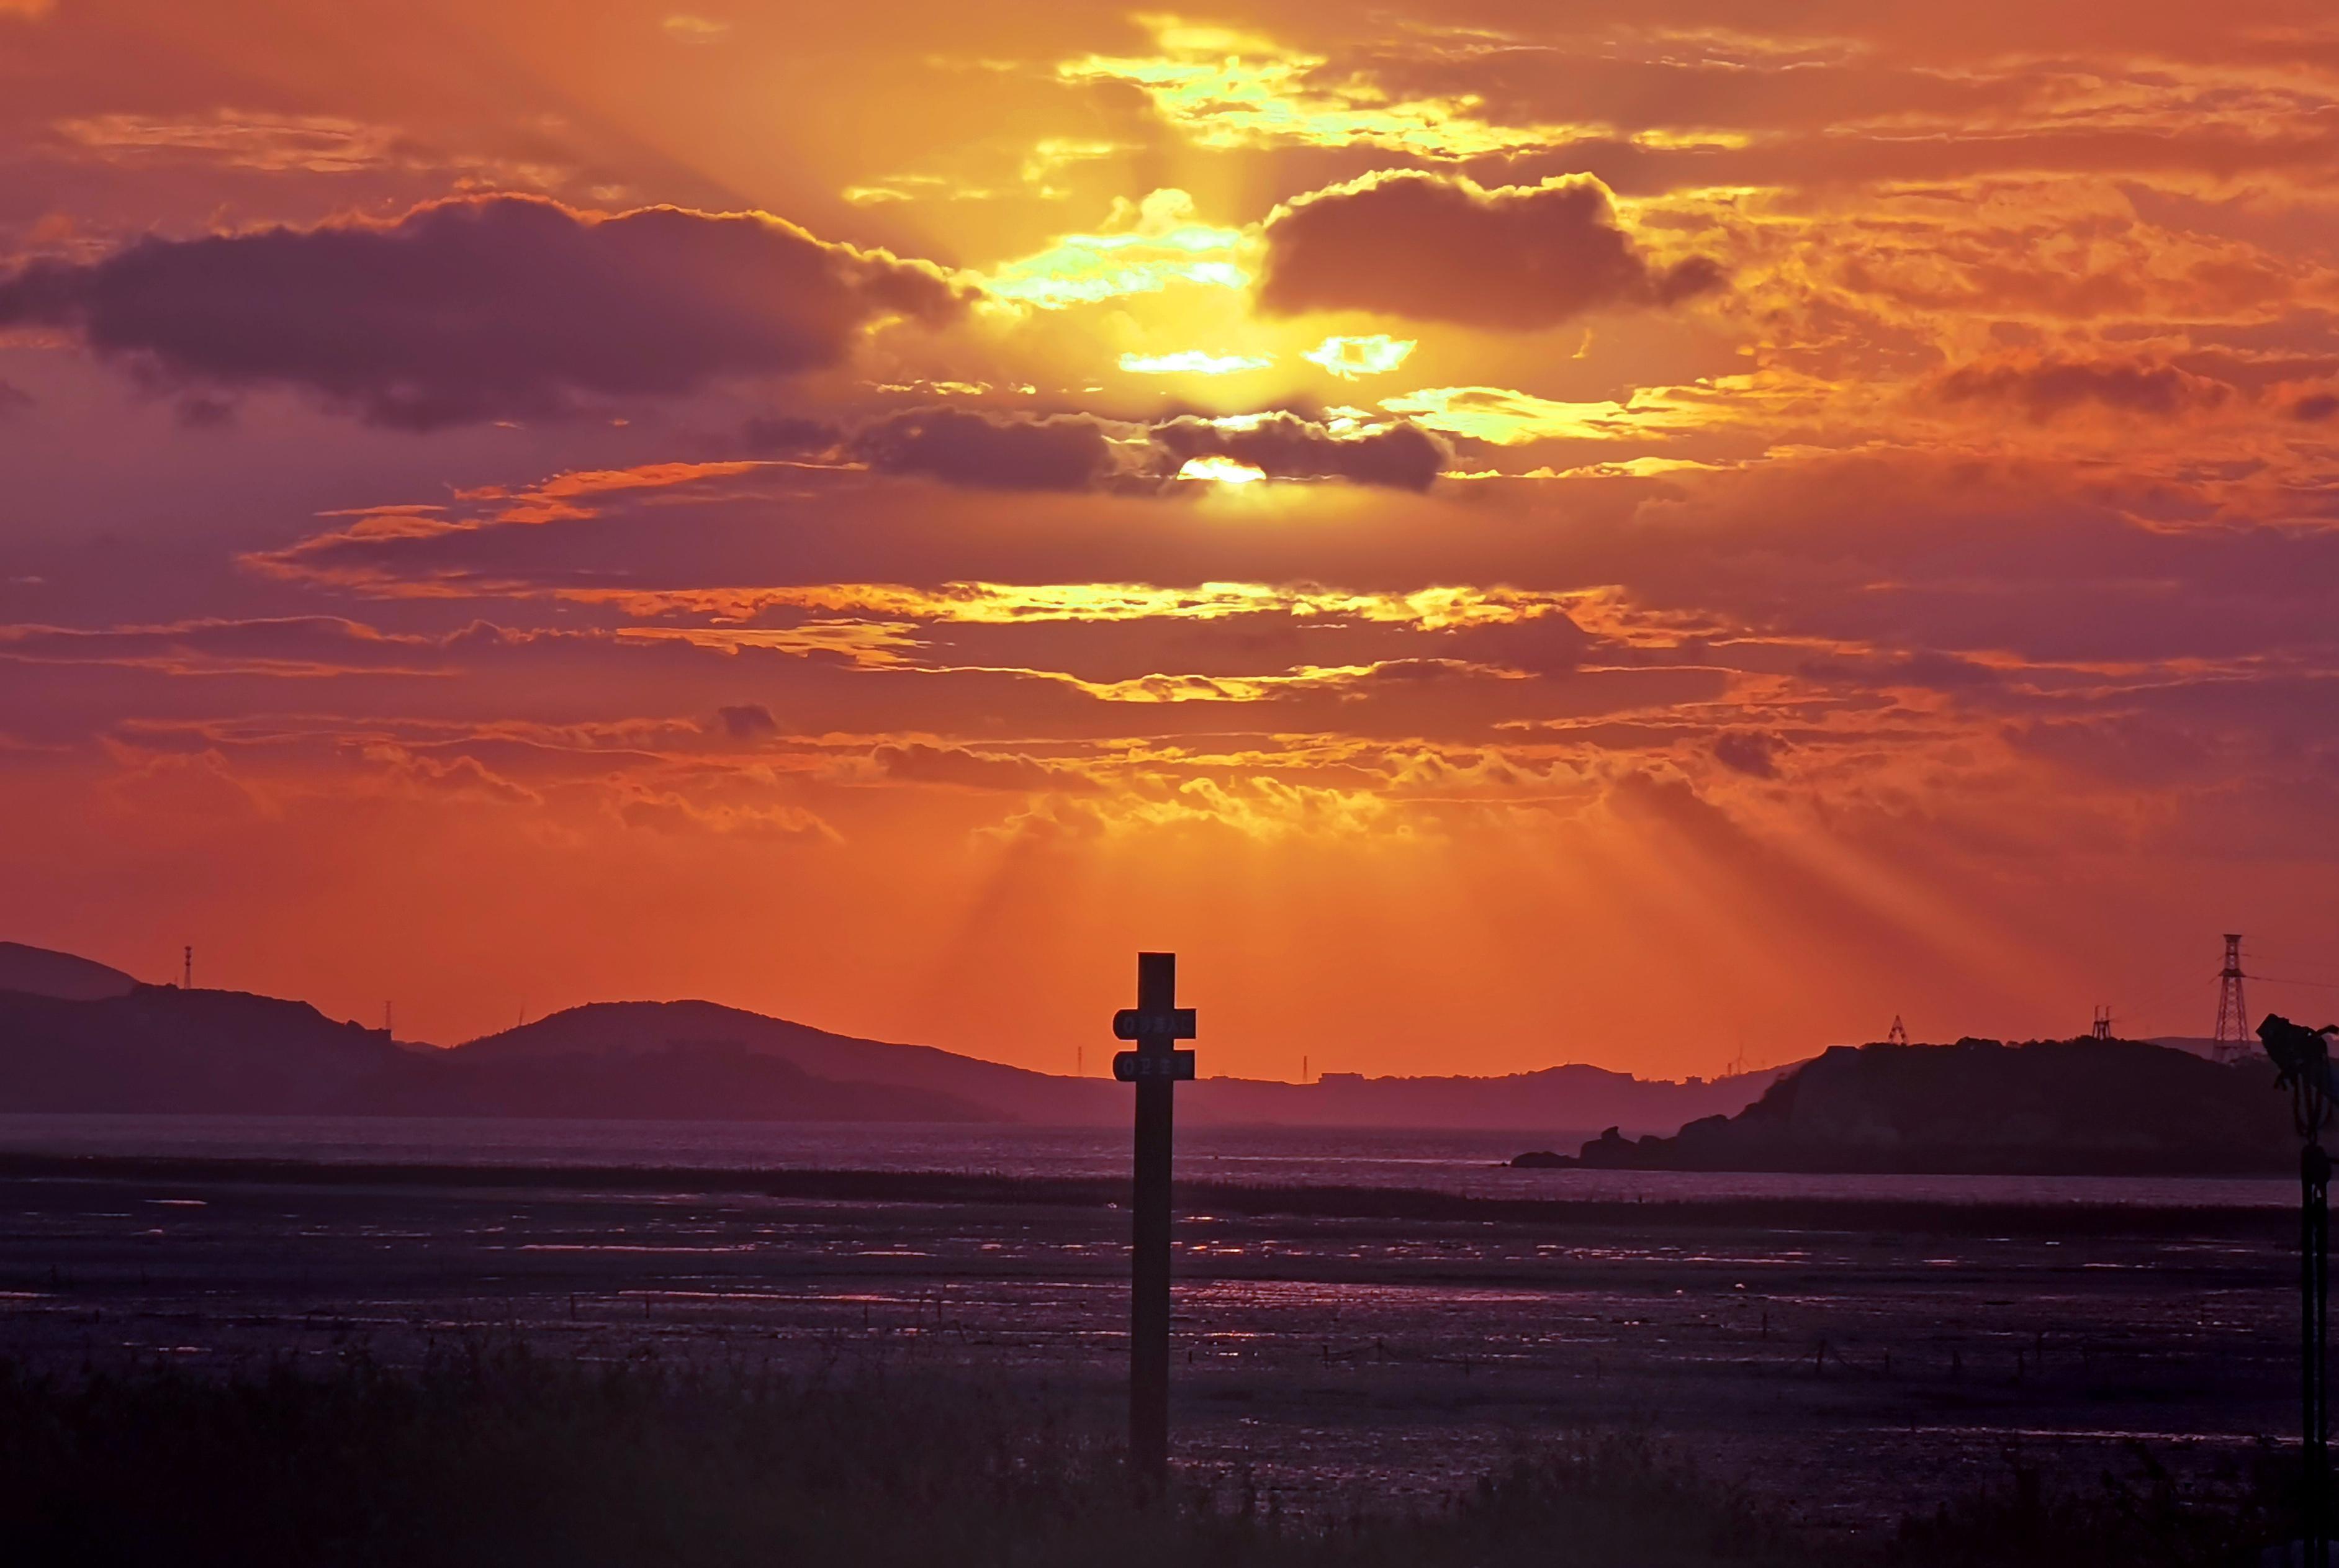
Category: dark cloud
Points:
column 1924, row 671
column 1286, row 446
column 1014, row 450
column 784, row 436
column 1747, row 752
column 1444, row 248
column 2315, row 408
column 198, row 412
column 746, row 721
column 1550, row 643
column 480, row 308
column 2045, row 386
column 990, row 451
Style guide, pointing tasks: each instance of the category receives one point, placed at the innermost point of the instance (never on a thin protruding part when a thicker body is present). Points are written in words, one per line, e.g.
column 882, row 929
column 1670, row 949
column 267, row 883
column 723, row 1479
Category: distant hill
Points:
column 2045, row 1106
column 161, row 1049
column 137, row 1048
column 42, row 972
column 1575, row 1095
column 1556, row 1098
column 675, row 1030
column 2194, row 1044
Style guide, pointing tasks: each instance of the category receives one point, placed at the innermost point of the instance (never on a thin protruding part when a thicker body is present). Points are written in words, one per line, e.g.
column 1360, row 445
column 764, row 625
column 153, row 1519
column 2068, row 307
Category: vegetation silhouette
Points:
column 495, row 1455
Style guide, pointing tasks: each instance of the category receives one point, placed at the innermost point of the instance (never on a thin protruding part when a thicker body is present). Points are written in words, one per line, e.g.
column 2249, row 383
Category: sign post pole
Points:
column 1155, row 1067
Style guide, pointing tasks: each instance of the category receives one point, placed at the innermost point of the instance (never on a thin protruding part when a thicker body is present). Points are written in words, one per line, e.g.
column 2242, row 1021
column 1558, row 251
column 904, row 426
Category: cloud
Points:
column 1350, row 357
column 1014, row 451
column 293, row 646
column 746, row 721
column 1286, row 446
column 662, row 810
column 1922, row 670
column 1747, row 752
column 686, row 28
column 2044, row 386
column 1000, row 452
column 1433, row 247
column 272, row 142
column 917, row 762
column 1193, row 362
column 476, row 308
column 458, row 775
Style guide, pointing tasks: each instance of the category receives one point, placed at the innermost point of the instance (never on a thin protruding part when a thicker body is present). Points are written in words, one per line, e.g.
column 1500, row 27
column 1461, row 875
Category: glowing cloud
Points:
column 1227, row 89
column 1349, row 358
column 1193, row 362
column 691, row 29
column 1509, row 418
column 1220, row 470
column 1142, row 250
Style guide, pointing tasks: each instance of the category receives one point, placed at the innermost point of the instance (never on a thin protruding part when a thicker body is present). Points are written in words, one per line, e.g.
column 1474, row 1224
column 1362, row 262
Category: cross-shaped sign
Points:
column 1156, row 1066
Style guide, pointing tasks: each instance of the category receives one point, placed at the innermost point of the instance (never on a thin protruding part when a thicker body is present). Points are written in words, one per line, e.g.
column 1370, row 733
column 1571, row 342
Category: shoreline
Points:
column 960, row 1188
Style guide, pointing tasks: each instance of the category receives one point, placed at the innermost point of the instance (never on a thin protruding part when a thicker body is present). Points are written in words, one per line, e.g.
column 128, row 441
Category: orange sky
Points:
column 1503, row 533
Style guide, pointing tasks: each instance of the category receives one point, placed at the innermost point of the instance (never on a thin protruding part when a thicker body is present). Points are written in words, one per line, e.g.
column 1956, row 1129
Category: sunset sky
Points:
column 1504, row 533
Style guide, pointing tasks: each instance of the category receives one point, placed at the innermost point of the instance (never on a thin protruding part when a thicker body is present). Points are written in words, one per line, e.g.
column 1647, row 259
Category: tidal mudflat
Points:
column 1851, row 1358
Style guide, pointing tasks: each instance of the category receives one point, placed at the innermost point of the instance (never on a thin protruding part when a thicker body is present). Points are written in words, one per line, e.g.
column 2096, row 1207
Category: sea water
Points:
column 1464, row 1162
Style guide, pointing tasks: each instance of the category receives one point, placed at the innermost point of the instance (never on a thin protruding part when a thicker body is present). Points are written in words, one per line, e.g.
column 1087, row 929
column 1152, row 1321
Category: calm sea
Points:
column 1444, row 1161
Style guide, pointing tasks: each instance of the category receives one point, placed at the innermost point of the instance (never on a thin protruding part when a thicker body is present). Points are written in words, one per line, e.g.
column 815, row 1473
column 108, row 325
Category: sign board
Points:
column 1171, row 1023
column 1128, row 1066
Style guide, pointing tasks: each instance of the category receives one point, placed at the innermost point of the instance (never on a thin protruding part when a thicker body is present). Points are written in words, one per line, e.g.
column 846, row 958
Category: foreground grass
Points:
column 513, row 1460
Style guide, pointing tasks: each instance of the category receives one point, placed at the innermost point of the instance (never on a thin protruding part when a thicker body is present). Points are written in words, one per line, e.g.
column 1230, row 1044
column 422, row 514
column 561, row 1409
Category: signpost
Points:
column 1155, row 1067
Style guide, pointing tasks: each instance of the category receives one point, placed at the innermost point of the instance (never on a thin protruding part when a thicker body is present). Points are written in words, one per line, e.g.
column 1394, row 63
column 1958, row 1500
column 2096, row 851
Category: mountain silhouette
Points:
column 132, row 1048
column 671, row 1029
column 159, row 1048
column 1983, row 1107
column 40, row 972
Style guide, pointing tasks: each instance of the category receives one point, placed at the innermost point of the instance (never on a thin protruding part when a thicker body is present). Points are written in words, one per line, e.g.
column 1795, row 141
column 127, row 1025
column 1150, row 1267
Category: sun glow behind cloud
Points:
column 1220, row 470
column 1375, row 354
column 1193, row 362
column 1508, row 417
column 1144, row 248
column 1228, row 89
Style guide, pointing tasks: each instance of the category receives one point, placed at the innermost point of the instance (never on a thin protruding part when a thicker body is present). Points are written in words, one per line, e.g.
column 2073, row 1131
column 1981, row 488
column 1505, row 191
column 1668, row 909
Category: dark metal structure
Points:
column 2302, row 1060
column 1156, row 1023
column 2233, row 1008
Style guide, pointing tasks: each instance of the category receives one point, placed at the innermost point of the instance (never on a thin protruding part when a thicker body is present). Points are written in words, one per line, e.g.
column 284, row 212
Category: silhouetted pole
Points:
column 2302, row 1058
column 2314, row 1387
column 1155, row 1023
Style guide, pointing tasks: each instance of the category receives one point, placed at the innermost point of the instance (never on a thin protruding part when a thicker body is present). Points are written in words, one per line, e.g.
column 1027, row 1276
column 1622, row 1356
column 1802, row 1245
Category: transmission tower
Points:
column 2233, row 1039
column 187, row 968
column 1898, row 1034
column 2103, row 1030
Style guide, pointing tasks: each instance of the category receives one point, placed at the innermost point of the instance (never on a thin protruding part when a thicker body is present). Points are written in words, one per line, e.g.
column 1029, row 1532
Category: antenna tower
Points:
column 2233, row 1039
column 1899, row 1033
column 2103, row 1030
column 187, row 968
